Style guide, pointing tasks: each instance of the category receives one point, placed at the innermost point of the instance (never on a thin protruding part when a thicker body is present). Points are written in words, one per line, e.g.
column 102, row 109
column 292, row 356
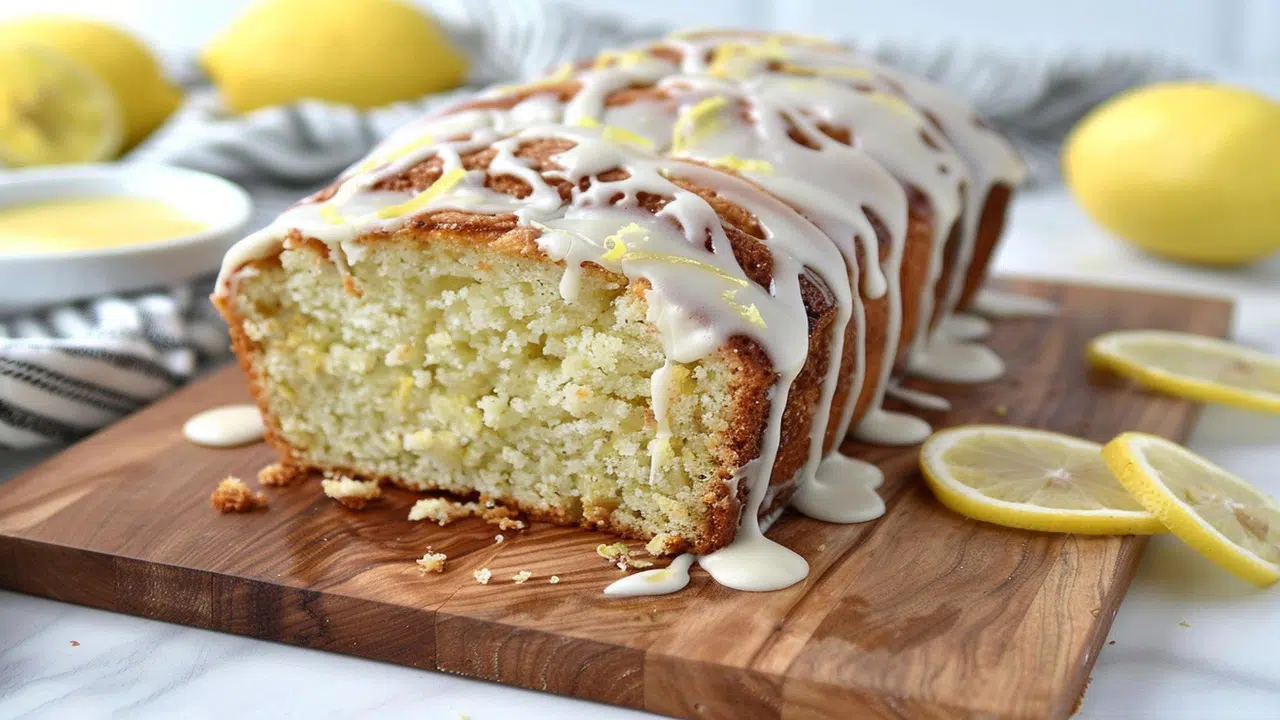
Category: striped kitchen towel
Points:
column 67, row 371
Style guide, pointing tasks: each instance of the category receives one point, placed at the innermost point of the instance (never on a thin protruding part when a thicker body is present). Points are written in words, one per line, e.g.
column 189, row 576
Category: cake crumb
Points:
column 498, row 538
column 278, row 475
column 442, row 511
column 75, row 643
column 505, row 518
column 612, row 552
column 1184, row 623
column 232, row 495
column 555, row 580
column 1111, row 642
column 662, row 544
column 1002, row 410
column 482, row 576
column 432, row 562
column 353, row 494
column 520, row 577
column 623, row 557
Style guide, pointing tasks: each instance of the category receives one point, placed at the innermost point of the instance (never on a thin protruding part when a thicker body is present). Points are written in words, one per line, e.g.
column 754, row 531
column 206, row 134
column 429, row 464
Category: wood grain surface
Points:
column 921, row 613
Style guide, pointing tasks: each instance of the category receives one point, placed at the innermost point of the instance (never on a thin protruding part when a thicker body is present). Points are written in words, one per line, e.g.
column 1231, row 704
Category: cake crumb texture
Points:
column 442, row 511
column 432, row 562
column 444, row 376
column 232, row 495
column 353, row 494
column 279, row 475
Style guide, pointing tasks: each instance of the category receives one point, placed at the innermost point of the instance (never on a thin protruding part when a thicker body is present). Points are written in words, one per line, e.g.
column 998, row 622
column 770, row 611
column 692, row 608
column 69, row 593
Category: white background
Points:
column 1225, row 34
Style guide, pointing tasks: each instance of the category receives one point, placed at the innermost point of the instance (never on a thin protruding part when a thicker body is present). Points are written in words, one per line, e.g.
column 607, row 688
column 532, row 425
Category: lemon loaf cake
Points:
column 836, row 136
column 586, row 331
column 645, row 294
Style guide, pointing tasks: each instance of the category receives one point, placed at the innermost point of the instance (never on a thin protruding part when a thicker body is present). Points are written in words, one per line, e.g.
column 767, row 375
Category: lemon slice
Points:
column 1223, row 517
column 1192, row 366
column 54, row 110
column 1030, row 479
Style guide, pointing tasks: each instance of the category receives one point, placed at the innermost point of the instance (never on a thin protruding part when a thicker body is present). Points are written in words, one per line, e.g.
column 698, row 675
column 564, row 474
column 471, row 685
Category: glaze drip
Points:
column 819, row 144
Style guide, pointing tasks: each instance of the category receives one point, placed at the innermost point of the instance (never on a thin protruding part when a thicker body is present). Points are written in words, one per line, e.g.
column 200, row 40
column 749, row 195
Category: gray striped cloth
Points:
column 69, row 370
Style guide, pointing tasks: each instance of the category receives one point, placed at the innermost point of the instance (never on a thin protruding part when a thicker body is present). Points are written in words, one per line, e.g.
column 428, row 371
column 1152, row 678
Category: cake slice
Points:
column 552, row 320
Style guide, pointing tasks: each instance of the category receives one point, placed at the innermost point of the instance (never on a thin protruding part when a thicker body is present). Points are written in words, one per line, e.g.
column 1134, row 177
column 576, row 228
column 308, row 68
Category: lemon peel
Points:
column 617, row 248
column 53, row 109
column 331, row 214
column 748, row 311
column 745, row 165
column 146, row 98
column 622, row 136
column 444, row 184
column 696, row 122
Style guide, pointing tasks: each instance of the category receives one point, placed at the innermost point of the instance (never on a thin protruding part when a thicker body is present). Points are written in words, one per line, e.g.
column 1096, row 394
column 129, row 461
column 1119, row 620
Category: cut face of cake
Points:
column 651, row 294
column 605, row 337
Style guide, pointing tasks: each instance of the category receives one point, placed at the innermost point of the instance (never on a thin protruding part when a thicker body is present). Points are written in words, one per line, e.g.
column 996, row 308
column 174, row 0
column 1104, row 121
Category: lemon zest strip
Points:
column 330, row 214
column 750, row 312
column 696, row 122
column 616, row 247
column 622, row 136
column 444, row 184
column 745, row 165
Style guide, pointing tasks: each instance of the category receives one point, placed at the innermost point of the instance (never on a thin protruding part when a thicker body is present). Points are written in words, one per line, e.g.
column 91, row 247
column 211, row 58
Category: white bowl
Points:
column 32, row 279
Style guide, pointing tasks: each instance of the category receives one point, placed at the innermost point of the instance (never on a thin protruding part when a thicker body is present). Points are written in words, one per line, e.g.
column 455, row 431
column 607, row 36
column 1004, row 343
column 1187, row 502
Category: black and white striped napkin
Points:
column 69, row 370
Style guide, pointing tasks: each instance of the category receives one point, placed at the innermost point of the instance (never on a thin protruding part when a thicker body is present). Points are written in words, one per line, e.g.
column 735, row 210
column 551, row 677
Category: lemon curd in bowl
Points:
column 91, row 223
column 74, row 232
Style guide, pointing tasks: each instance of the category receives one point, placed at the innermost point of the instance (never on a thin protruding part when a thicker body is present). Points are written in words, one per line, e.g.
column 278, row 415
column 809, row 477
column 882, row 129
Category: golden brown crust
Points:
column 990, row 228
column 916, row 253
column 876, row 331
column 233, row 496
column 280, row 475
column 950, row 255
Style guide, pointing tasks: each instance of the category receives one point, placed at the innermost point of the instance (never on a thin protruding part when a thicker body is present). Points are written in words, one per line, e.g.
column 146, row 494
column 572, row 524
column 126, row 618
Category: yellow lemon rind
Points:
column 972, row 504
column 1177, row 385
column 110, row 136
column 1137, row 477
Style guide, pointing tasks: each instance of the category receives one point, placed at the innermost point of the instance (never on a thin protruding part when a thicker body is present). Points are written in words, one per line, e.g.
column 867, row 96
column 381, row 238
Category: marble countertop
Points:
column 1189, row 641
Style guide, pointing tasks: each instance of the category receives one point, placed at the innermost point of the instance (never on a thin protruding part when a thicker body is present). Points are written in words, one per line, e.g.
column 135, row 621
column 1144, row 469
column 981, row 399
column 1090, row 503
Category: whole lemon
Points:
column 359, row 52
column 145, row 96
column 1189, row 171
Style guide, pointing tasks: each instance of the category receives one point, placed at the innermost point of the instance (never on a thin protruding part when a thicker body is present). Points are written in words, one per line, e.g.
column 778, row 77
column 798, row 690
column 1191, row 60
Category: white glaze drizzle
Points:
column 227, row 426
column 888, row 151
column 698, row 299
column 843, row 491
column 919, row 399
column 966, row 326
column 660, row 581
column 796, row 173
column 1003, row 304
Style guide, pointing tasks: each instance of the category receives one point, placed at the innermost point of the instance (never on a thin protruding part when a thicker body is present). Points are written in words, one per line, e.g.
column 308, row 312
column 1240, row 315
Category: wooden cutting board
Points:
column 921, row 613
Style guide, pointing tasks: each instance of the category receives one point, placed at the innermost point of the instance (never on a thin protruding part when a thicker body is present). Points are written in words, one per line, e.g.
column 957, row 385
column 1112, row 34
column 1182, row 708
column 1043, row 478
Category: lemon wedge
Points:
column 54, row 110
column 1192, row 366
column 1030, row 479
column 1223, row 517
